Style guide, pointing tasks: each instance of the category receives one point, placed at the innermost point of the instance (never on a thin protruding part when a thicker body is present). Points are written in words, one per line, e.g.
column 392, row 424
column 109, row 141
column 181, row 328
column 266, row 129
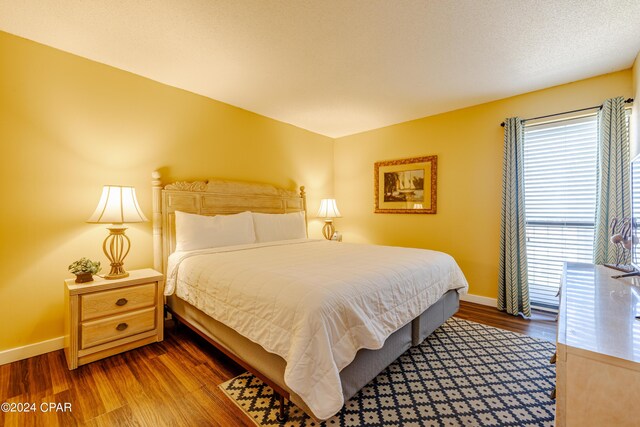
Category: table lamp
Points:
column 328, row 210
column 117, row 205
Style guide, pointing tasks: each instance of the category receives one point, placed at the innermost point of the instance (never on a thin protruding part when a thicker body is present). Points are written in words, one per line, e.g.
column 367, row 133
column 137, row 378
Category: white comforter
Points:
column 314, row 303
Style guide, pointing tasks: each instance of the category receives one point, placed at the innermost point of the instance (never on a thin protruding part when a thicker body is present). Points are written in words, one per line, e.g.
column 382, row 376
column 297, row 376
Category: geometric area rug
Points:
column 464, row 374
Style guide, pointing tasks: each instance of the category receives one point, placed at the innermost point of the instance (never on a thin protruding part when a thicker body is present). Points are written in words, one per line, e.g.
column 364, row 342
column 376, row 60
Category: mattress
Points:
column 314, row 303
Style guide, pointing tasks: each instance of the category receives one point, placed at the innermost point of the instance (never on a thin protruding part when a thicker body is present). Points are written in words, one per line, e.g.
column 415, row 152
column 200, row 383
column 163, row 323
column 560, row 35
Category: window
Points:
column 560, row 161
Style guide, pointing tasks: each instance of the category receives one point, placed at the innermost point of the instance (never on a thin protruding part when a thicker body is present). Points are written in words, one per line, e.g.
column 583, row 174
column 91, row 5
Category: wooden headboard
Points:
column 212, row 197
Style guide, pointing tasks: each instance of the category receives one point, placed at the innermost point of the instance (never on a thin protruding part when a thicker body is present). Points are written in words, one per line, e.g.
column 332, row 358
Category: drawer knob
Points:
column 122, row 326
column 121, row 302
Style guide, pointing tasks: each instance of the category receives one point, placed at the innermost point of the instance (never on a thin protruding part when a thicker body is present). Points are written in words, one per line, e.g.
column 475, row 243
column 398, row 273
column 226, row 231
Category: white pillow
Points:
column 272, row 227
column 201, row 232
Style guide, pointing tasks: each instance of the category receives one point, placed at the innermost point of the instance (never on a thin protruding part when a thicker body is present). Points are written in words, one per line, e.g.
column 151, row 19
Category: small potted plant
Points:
column 84, row 269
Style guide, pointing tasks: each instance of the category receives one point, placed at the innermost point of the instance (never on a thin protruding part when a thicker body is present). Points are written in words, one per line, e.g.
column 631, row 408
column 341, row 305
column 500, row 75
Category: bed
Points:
column 316, row 320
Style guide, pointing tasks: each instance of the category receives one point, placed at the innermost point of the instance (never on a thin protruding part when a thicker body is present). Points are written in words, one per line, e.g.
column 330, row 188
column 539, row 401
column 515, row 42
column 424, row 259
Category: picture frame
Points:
column 406, row 186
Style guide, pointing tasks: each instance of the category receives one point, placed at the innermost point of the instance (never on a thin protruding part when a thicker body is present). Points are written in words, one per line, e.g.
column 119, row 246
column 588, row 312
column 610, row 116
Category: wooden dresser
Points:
column 106, row 317
column 598, row 363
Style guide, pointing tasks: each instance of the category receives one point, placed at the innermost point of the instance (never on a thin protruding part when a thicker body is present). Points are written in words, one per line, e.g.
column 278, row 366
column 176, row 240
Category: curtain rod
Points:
column 627, row 101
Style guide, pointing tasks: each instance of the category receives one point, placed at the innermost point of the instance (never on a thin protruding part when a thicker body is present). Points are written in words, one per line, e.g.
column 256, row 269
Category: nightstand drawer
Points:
column 106, row 303
column 117, row 327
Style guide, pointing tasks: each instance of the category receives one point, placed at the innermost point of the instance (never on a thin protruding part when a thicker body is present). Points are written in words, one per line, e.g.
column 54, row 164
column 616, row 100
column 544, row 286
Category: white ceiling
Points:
column 338, row 67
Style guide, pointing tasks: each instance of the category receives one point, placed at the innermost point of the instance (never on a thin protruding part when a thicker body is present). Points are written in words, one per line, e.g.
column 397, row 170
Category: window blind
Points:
column 560, row 160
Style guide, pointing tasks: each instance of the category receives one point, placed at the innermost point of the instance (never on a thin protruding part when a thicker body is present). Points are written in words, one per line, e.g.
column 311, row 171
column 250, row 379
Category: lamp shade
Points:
column 328, row 209
column 117, row 205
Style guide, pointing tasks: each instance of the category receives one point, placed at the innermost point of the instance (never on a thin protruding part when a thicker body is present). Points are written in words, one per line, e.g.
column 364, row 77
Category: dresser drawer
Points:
column 106, row 303
column 116, row 327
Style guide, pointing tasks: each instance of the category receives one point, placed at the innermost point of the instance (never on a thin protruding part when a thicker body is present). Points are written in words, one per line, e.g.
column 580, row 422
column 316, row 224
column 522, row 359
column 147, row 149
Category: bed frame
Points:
column 214, row 197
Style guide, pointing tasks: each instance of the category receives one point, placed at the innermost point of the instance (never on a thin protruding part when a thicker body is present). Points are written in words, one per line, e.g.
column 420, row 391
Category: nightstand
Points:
column 106, row 317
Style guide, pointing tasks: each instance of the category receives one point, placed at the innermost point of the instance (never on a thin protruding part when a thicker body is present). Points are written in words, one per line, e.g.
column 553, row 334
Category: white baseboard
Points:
column 478, row 299
column 19, row 353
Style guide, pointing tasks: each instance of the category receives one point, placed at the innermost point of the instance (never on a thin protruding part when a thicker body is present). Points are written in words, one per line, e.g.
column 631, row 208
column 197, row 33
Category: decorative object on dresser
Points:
column 406, row 185
column 84, row 269
column 107, row 317
column 621, row 237
column 632, row 243
column 117, row 205
column 328, row 210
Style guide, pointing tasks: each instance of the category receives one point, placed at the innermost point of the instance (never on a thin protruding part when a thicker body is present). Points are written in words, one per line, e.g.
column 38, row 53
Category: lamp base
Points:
column 328, row 229
column 116, row 247
column 111, row 276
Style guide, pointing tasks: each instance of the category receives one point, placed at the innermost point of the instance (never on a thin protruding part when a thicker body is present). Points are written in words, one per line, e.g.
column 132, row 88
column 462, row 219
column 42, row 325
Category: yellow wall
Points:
column 635, row 114
column 69, row 125
column 468, row 143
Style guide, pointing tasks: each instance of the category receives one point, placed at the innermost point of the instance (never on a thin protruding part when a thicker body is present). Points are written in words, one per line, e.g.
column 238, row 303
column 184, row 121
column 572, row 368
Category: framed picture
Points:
column 406, row 185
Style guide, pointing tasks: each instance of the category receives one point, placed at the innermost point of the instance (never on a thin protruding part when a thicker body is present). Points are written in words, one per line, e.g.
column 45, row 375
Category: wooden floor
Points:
column 542, row 325
column 174, row 382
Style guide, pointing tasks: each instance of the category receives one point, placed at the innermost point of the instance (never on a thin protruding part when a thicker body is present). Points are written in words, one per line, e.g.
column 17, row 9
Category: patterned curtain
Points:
column 513, row 285
column 613, row 198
